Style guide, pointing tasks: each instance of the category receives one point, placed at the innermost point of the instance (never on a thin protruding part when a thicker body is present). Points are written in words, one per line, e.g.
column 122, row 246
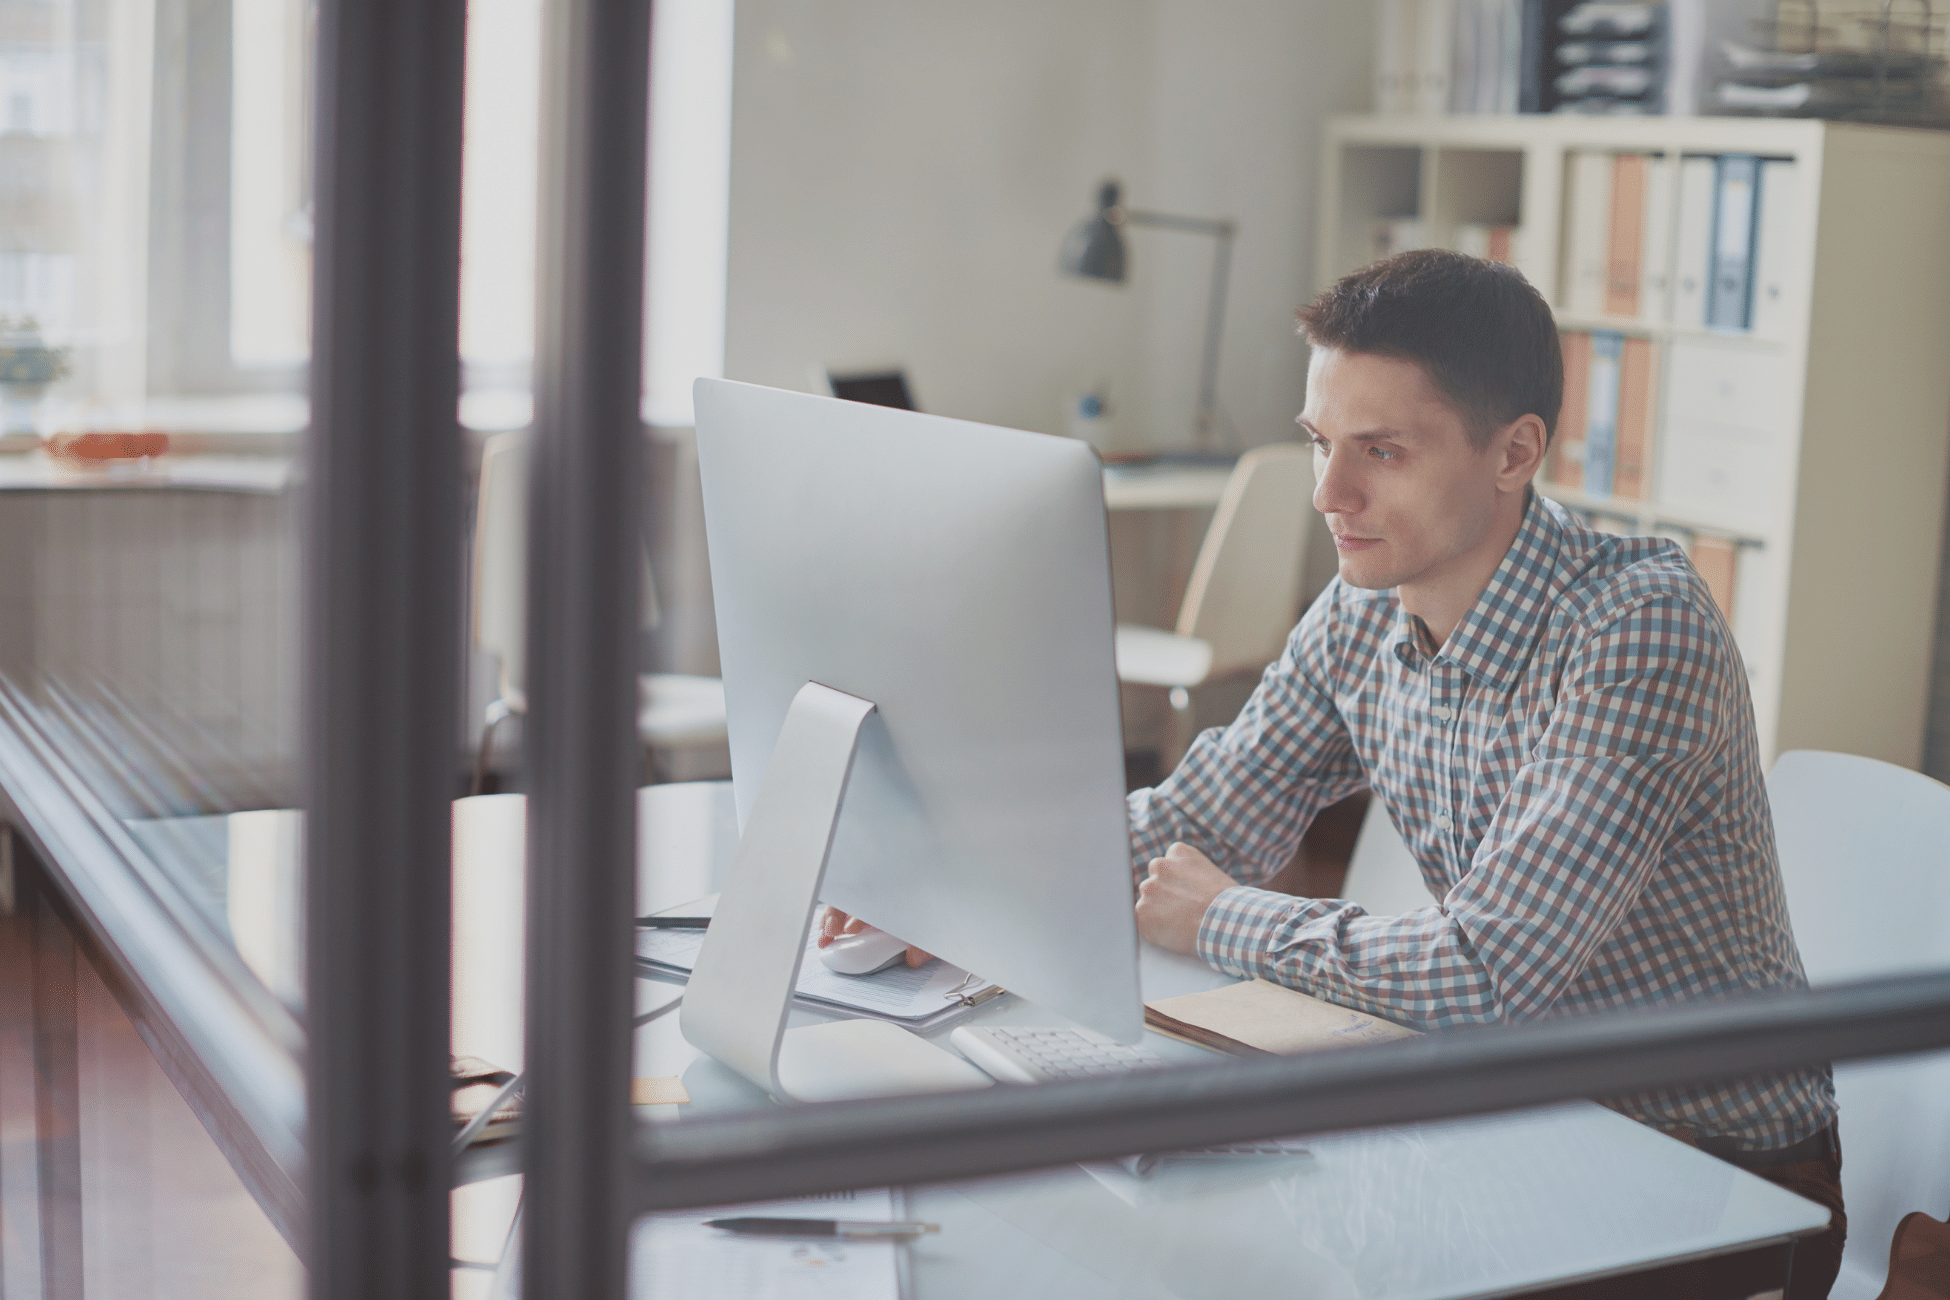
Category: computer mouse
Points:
column 863, row 953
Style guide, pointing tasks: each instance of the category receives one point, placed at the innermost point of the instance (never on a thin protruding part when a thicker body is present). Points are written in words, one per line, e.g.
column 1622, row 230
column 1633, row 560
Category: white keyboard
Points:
column 1028, row 1054
column 1032, row 1054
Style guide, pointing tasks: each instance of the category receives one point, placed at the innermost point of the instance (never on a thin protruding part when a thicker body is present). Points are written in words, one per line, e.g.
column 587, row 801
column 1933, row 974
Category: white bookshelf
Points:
column 1842, row 516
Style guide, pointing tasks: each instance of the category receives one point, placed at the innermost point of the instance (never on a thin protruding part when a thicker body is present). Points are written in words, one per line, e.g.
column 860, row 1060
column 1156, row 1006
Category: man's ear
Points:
column 1521, row 447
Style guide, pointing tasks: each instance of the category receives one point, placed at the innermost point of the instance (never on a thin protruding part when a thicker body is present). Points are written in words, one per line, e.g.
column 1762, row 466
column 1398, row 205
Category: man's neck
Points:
column 1444, row 598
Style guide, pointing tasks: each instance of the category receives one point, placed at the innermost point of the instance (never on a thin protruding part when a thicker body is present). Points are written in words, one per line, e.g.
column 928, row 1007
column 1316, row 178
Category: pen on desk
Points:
column 674, row 922
column 857, row 1230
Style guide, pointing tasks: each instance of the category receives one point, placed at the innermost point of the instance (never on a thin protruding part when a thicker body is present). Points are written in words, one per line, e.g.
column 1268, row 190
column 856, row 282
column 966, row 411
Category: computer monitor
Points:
column 958, row 577
column 874, row 387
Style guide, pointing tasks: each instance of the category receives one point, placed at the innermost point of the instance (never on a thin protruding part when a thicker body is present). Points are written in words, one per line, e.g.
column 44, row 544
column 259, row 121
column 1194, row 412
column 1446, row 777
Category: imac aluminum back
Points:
column 958, row 576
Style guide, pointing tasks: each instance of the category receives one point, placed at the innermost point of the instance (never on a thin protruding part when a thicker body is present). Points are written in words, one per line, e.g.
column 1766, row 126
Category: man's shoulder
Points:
column 1602, row 578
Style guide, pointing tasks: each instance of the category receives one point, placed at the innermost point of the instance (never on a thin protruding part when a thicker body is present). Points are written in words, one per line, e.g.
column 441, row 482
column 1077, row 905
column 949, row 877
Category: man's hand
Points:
column 1173, row 898
column 834, row 923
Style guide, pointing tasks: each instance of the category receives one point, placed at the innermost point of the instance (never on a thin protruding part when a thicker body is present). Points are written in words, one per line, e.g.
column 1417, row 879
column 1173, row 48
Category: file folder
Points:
column 1730, row 295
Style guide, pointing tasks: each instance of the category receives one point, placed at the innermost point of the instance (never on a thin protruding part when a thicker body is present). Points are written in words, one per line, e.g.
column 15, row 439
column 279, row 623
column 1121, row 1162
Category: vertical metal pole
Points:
column 582, row 753
column 382, row 623
column 57, row 1102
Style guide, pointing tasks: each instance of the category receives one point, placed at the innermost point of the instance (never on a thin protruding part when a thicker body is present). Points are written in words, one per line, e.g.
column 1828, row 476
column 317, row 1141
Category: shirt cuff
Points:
column 1234, row 933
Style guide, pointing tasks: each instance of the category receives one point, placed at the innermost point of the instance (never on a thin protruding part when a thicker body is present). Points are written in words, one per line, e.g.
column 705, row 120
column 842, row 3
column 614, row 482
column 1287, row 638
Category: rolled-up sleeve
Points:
column 1245, row 794
column 1631, row 737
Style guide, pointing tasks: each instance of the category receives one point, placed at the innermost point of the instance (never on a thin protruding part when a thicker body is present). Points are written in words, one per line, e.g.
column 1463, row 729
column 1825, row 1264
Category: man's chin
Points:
column 1365, row 576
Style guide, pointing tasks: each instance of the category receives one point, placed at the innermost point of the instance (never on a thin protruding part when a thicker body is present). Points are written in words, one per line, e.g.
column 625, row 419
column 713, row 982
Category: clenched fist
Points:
column 1172, row 899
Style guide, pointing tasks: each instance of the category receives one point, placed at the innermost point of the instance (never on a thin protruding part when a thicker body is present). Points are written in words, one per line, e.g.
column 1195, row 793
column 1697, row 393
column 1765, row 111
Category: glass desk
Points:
column 1471, row 1207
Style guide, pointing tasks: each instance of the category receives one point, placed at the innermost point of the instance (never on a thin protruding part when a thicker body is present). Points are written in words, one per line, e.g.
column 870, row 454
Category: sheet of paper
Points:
column 676, row 1255
column 897, row 991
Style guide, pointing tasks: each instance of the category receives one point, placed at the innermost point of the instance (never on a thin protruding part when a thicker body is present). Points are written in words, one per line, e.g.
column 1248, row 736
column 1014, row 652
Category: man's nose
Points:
column 1335, row 492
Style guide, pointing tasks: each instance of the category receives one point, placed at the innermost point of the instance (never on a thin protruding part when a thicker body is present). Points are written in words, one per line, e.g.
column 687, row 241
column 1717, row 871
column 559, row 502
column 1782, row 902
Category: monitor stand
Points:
column 740, row 991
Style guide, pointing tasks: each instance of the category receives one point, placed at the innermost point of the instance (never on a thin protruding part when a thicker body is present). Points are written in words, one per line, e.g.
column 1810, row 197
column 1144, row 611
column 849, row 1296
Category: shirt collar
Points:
column 1493, row 641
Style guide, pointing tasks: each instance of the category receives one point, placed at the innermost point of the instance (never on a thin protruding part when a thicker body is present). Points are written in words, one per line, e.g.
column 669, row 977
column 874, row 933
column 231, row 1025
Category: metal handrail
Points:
column 799, row 1150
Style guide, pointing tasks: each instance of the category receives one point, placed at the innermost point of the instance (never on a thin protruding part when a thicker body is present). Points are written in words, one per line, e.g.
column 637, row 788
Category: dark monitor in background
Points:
column 875, row 387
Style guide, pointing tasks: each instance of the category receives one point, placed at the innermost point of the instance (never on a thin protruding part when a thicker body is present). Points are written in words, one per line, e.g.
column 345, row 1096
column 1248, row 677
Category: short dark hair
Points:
column 1485, row 337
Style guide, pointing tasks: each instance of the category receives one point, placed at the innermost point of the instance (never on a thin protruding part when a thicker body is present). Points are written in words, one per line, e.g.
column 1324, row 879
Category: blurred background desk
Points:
column 1164, row 485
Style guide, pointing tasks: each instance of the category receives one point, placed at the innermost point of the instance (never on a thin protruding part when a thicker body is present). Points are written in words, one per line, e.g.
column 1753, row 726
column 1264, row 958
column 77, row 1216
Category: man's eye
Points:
column 1383, row 453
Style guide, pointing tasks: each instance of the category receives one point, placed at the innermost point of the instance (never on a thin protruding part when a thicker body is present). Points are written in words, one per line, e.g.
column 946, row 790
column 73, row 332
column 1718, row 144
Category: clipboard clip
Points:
column 979, row 996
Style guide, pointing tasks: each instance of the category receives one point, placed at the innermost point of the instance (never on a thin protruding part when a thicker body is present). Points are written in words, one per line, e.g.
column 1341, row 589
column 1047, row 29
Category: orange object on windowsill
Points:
column 99, row 448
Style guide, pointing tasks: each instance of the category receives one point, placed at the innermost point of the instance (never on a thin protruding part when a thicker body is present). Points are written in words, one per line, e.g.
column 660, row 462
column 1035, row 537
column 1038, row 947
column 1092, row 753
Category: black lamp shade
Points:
column 1095, row 249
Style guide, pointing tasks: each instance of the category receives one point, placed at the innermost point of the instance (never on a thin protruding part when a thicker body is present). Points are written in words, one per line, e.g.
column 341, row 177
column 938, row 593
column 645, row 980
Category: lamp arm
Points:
column 1222, row 232
column 1170, row 221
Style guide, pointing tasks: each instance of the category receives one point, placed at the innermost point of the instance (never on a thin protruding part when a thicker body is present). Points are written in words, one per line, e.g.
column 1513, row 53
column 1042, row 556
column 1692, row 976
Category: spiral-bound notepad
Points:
column 920, row 999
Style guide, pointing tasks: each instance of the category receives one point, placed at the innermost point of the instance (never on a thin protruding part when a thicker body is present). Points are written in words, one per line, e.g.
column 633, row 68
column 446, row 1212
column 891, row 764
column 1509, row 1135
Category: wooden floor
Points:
column 162, row 1215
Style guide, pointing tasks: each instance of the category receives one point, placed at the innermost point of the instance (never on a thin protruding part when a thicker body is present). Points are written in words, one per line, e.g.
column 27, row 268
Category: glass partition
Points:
column 456, row 641
column 154, row 334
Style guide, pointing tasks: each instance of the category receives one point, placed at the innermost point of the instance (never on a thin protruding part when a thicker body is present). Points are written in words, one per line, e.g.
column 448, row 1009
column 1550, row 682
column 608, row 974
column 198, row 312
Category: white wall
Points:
column 1239, row 90
column 904, row 170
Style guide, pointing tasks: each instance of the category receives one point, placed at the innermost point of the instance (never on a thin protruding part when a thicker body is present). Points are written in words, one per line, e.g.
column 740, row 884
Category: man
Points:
column 1556, row 719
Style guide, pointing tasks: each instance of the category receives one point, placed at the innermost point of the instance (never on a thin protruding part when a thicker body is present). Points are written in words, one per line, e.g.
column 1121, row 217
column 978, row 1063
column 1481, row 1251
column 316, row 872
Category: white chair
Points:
column 1244, row 593
column 675, row 712
column 1382, row 875
column 1865, row 857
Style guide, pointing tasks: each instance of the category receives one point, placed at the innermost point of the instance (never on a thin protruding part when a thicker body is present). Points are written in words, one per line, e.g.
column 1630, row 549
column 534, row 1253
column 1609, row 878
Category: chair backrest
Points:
column 501, row 558
column 1382, row 875
column 501, row 563
column 1865, row 859
column 1244, row 593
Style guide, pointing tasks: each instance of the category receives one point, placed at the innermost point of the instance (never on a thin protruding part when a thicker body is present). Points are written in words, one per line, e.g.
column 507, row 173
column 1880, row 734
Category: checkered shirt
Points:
column 1576, row 773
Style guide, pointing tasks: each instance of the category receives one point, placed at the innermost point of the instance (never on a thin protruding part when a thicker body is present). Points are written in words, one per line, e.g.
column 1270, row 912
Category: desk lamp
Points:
column 1095, row 251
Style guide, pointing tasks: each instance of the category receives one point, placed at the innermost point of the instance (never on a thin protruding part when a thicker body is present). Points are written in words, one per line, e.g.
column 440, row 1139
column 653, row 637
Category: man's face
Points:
column 1409, row 498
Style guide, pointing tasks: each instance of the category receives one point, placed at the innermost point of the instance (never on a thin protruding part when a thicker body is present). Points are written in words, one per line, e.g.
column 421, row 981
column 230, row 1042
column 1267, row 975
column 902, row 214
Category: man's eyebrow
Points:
column 1366, row 435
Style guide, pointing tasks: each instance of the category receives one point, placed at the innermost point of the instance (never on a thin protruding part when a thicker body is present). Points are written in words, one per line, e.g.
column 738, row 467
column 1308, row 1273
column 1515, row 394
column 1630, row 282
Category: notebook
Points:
column 1258, row 1018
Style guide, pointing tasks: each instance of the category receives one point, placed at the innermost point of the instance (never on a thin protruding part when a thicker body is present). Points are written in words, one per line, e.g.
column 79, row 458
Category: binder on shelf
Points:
column 1587, row 232
column 1730, row 293
column 1435, row 25
column 1496, row 243
column 1565, row 464
column 1655, row 247
column 1532, row 40
column 1717, row 559
column 1467, row 57
column 1692, row 242
column 1601, row 412
column 1394, row 55
column 1486, row 75
column 1626, row 234
column 1636, row 361
column 1774, row 277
